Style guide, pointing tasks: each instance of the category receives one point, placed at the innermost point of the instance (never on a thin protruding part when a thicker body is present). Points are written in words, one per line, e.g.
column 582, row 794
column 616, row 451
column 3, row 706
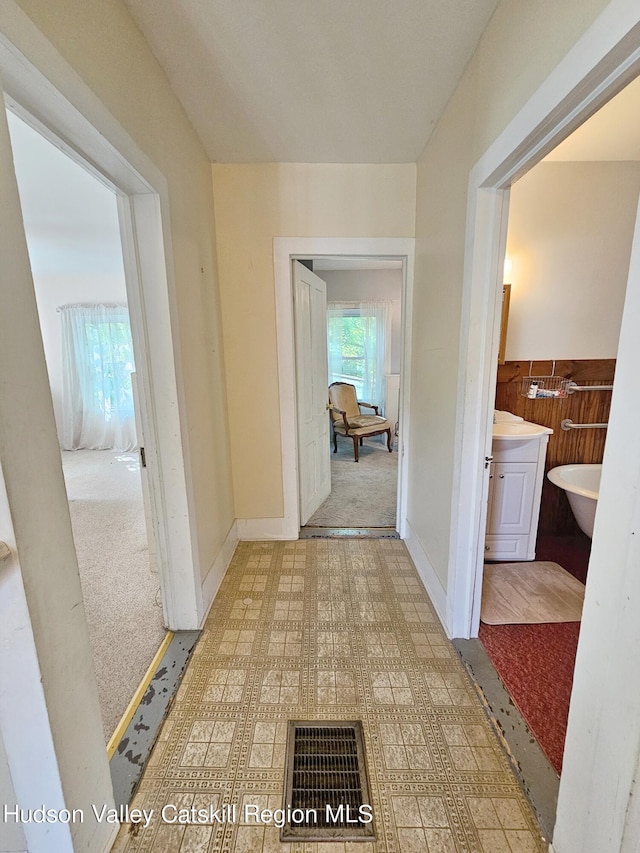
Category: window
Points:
column 356, row 337
column 98, row 363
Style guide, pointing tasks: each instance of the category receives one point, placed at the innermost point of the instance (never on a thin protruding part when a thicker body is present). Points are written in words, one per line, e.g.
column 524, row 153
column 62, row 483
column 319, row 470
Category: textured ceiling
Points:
column 317, row 81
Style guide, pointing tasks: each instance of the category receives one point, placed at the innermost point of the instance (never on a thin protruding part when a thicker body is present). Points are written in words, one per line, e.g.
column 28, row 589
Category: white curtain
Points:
column 97, row 362
column 357, row 341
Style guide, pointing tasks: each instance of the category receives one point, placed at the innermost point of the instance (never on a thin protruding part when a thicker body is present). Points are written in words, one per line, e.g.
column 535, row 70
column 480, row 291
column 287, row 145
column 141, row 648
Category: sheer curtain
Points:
column 357, row 346
column 97, row 362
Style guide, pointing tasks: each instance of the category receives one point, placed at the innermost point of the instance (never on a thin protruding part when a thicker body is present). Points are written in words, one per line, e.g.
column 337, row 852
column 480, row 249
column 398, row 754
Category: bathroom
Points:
column 569, row 239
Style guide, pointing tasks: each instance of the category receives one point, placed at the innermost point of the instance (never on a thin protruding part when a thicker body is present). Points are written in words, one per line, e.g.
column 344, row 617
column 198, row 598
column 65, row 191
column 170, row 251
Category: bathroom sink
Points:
column 512, row 430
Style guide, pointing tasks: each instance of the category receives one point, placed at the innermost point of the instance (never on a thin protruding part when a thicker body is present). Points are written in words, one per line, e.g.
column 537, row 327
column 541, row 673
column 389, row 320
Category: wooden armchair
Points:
column 348, row 420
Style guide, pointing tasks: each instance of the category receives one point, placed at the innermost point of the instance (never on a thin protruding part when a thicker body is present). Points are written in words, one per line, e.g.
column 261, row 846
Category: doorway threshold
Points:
column 309, row 532
column 130, row 756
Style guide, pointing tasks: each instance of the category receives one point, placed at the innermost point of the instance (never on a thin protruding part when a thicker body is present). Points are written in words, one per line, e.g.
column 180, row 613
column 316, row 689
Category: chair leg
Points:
column 335, row 441
column 361, row 440
column 355, row 447
column 389, row 440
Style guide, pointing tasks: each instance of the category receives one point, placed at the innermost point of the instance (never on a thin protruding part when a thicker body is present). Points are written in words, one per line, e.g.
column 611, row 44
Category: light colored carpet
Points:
column 363, row 494
column 528, row 593
column 121, row 591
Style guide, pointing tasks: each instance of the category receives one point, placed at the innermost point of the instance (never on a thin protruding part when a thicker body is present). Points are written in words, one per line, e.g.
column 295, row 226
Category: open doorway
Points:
column 569, row 241
column 364, row 351
column 569, row 238
column 310, row 248
column 72, row 229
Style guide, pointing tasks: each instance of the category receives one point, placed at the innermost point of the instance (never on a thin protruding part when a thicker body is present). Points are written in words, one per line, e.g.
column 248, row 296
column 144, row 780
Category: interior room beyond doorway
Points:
column 72, row 229
column 569, row 239
column 364, row 349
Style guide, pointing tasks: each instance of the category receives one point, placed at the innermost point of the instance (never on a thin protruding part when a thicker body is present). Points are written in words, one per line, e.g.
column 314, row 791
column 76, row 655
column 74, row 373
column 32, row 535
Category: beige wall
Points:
column 569, row 240
column 253, row 204
column 100, row 41
column 521, row 46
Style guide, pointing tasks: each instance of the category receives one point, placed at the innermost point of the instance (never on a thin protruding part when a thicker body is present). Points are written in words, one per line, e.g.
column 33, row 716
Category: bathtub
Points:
column 582, row 484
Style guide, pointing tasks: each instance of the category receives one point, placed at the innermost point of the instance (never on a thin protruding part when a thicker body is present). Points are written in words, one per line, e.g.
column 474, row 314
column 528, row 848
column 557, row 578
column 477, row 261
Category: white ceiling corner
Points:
column 317, row 81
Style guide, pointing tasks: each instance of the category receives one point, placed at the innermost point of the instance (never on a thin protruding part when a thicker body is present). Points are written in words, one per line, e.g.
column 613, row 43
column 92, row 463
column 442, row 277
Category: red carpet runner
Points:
column 535, row 663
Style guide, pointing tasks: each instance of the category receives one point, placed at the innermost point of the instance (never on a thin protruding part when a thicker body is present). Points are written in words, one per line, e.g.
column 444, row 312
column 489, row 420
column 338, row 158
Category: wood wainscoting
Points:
column 565, row 447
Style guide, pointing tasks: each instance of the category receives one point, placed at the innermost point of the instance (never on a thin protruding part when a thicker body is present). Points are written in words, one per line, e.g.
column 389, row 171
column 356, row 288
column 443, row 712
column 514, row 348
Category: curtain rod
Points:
column 91, row 305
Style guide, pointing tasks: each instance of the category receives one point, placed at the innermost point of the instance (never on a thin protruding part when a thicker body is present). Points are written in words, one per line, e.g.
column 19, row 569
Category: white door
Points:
column 310, row 317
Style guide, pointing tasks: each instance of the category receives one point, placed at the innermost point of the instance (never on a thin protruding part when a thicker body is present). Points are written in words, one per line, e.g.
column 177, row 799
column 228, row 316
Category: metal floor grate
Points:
column 326, row 785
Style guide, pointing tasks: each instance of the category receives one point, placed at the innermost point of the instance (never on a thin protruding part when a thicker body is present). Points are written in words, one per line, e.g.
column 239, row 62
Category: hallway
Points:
column 327, row 630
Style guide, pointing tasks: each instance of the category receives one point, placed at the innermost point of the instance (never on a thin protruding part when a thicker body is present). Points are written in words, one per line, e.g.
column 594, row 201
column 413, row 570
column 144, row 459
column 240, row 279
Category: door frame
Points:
column 285, row 250
column 602, row 62
column 43, row 90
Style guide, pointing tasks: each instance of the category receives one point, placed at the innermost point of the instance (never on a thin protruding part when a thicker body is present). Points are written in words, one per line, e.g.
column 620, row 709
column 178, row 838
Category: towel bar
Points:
column 567, row 424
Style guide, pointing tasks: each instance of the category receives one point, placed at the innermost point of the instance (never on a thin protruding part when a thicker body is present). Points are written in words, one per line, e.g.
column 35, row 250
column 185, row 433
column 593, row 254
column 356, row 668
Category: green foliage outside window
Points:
column 110, row 351
column 348, row 354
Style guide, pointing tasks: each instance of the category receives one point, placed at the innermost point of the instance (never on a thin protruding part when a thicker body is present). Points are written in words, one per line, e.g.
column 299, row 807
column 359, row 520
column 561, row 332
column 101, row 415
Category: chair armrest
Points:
column 370, row 406
column 333, row 408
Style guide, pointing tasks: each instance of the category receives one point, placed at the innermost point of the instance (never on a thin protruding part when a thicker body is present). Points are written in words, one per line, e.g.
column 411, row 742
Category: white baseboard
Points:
column 216, row 573
column 254, row 529
column 428, row 576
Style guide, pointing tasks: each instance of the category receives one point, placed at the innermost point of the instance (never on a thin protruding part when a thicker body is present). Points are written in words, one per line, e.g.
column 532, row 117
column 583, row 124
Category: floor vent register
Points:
column 326, row 795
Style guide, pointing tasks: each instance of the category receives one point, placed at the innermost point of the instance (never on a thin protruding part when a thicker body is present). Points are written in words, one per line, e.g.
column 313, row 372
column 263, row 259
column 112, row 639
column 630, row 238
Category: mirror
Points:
column 506, row 295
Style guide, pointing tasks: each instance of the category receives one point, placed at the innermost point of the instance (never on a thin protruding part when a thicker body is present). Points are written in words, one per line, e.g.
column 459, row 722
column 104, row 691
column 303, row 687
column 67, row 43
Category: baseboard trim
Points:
column 216, row 573
column 428, row 576
column 255, row 529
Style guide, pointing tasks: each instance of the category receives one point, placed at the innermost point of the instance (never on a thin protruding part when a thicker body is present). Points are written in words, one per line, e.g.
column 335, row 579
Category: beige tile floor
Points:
column 328, row 629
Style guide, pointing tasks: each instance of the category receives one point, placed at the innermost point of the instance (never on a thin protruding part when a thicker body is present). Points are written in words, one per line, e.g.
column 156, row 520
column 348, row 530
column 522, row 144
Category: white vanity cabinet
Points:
column 515, row 488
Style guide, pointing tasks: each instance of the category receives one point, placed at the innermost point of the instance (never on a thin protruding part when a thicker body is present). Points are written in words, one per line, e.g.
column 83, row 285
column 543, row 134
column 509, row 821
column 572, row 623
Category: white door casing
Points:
column 310, row 321
column 596, row 68
column 284, row 249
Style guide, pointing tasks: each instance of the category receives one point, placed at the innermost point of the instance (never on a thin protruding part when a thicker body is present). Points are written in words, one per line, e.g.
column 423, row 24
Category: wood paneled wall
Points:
column 580, row 445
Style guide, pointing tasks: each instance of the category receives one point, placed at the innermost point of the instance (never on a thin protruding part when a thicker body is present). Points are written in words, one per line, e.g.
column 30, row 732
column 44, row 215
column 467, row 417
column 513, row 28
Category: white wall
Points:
column 71, row 224
column 569, row 241
column 360, row 285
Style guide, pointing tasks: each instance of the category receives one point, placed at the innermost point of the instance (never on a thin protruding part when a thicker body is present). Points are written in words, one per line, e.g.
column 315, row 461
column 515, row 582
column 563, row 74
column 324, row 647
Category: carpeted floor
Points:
column 363, row 494
column 328, row 629
column 119, row 587
column 535, row 664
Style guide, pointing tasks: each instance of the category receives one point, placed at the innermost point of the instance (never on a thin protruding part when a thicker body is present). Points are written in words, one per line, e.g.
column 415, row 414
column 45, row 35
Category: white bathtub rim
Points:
column 558, row 476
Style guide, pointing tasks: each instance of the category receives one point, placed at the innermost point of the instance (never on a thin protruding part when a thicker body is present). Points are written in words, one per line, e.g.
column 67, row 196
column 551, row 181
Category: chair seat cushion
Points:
column 363, row 425
column 365, row 421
